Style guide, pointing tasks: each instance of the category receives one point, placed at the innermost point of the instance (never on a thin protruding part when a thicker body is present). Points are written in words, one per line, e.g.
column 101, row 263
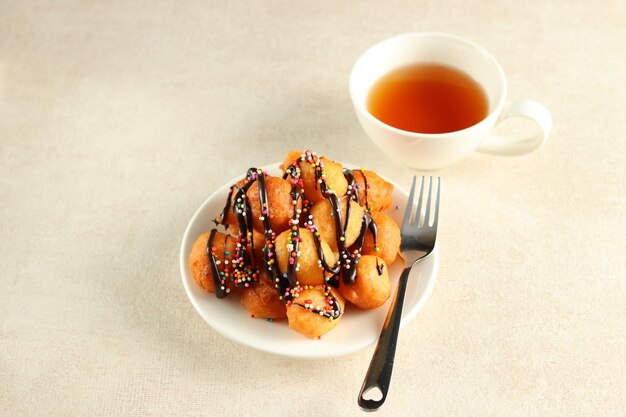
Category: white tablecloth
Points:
column 117, row 119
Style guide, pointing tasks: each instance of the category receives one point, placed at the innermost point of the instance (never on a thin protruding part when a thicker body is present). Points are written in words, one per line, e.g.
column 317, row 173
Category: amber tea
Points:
column 428, row 98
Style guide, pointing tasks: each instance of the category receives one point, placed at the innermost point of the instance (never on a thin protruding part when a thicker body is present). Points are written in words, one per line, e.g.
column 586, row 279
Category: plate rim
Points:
column 406, row 316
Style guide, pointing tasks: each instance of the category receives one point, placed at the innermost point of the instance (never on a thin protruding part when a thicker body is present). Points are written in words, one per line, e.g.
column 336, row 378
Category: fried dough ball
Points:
column 333, row 173
column 258, row 243
column 377, row 193
column 310, row 272
column 325, row 222
column 308, row 322
column 262, row 300
column 388, row 239
column 372, row 287
column 199, row 260
column 279, row 201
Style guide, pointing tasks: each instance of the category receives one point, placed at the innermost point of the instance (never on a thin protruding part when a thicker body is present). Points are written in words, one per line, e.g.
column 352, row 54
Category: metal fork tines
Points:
column 419, row 235
column 418, row 241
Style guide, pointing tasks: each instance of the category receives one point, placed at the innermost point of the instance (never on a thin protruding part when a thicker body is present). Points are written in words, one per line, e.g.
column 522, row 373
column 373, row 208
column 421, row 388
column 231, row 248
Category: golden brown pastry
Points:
column 388, row 239
column 374, row 192
column 262, row 300
column 288, row 252
column 332, row 171
column 314, row 311
column 324, row 219
column 308, row 264
column 223, row 250
column 279, row 208
column 372, row 287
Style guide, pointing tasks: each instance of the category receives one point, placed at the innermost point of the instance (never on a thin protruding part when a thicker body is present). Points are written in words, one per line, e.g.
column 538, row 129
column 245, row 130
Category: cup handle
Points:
column 507, row 146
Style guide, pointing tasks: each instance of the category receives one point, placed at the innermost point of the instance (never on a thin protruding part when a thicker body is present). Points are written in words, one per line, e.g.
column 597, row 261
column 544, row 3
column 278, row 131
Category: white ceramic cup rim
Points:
column 488, row 120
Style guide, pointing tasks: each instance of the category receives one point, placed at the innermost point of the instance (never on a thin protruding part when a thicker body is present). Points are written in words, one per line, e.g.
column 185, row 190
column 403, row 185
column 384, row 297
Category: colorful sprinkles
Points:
column 241, row 268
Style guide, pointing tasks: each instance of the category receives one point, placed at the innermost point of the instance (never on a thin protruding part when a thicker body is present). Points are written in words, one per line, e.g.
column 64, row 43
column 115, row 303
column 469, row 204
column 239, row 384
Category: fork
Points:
column 418, row 241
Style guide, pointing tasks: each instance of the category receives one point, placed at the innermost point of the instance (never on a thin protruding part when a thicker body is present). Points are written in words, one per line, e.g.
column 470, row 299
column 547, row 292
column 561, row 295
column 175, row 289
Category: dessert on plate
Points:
column 303, row 245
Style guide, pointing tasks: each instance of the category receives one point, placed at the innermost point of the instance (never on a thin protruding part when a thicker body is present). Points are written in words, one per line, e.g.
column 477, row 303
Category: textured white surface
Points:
column 117, row 119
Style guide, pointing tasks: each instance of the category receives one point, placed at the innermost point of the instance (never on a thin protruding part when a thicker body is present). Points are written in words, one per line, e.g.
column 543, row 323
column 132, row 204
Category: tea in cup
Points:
column 430, row 99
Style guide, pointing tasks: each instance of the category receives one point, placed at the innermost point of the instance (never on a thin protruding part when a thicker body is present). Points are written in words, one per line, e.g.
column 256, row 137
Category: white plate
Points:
column 357, row 329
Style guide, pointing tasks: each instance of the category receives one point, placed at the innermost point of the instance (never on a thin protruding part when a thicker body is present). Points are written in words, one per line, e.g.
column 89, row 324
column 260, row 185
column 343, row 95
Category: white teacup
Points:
column 432, row 151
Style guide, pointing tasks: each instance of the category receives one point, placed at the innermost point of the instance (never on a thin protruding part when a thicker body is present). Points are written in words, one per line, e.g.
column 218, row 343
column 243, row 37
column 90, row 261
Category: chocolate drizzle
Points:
column 222, row 216
column 380, row 268
column 331, row 311
column 366, row 191
column 244, row 268
column 293, row 241
column 218, row 279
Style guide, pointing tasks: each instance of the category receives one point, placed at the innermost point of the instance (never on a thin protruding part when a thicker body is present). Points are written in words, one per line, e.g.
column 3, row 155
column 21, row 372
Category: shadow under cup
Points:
column 419, row 150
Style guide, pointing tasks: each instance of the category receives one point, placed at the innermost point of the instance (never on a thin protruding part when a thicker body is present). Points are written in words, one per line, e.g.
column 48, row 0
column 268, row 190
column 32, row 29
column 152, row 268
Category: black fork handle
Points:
column 381, row 366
